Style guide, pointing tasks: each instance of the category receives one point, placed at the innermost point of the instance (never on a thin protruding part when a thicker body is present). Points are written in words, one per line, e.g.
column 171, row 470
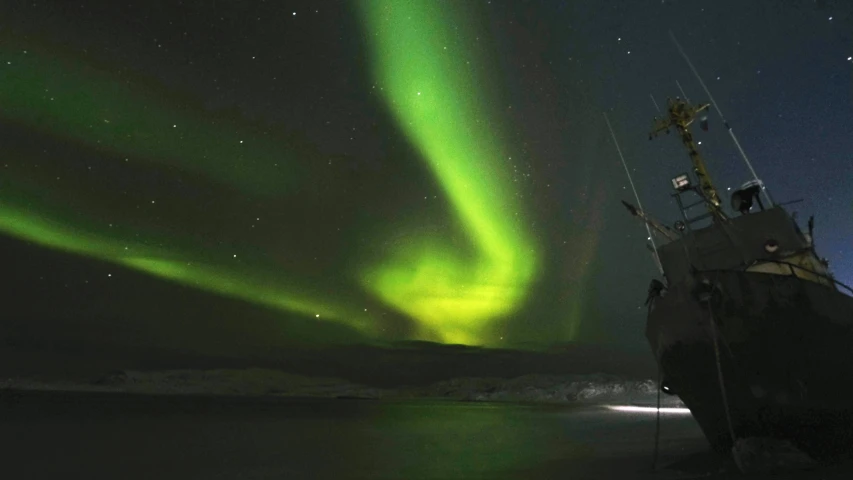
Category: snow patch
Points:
column 586, row 389
column 548, row 389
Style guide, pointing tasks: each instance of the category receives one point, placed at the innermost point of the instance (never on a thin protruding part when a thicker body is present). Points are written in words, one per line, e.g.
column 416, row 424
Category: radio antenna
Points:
column 657, row 107
column 636, row 195
column 683, row 95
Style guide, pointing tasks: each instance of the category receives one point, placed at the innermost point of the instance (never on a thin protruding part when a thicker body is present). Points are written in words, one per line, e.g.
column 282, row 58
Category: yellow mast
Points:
column 680, row 115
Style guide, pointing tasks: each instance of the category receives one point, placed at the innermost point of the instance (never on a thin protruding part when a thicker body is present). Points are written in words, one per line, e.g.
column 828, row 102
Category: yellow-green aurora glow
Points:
column 173, row 265
column 86, row 104
column 82, row 104
column 457, row 292
column 432, row 86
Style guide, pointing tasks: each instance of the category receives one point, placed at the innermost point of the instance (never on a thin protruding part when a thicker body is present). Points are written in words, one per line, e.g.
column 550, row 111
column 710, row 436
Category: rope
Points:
column 657, row 416
column 720, row 372
column 657, row 424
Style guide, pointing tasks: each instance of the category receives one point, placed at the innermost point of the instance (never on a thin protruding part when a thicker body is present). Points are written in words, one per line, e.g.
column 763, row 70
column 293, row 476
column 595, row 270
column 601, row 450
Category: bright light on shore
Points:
column 636, row 409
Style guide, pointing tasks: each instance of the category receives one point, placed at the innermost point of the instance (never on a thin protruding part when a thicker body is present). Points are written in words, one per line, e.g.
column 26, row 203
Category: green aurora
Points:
column 69, row 100
column 420, row 65
column 432, row 85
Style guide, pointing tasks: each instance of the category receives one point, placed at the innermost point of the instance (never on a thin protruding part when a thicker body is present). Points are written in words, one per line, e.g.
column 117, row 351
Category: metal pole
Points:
column 657, row 107
column 682, row 92
column 636, row 196
column 722, row 118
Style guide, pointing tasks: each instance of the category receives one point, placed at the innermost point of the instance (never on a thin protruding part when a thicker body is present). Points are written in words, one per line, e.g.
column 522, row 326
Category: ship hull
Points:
column 781, row 365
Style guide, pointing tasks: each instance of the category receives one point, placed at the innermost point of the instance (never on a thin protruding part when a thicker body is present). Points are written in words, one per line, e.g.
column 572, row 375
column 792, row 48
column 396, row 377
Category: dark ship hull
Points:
column 781, row 365
column 748, row 326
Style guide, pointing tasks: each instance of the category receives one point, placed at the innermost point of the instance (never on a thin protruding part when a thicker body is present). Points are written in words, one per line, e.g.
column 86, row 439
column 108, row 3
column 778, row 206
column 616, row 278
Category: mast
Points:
column 680, row 114
column 722, row 118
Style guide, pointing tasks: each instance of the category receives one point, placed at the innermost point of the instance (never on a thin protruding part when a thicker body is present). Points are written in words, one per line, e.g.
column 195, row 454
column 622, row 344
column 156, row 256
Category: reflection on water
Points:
column 161, row 437
column 460, row 440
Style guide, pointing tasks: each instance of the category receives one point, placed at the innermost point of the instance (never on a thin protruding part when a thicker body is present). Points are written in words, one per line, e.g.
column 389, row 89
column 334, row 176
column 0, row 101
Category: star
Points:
column 495, row 226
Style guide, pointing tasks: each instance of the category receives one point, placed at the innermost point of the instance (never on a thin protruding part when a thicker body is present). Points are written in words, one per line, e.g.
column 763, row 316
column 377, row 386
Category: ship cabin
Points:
column 765, row 240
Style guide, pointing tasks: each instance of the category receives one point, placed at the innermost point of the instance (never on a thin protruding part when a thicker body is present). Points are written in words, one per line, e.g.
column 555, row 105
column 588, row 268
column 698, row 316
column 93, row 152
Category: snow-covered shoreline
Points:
column 542, row 389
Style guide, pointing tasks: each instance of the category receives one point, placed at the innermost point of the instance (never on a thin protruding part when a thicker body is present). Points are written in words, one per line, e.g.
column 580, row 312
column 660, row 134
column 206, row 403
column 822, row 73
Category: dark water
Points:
column 145, row 437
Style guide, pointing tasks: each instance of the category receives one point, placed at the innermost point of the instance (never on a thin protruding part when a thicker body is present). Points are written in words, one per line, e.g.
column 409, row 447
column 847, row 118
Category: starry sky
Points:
column 210, row 173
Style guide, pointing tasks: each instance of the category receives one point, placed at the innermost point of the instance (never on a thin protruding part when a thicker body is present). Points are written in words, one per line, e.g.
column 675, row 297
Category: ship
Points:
column 748, row 325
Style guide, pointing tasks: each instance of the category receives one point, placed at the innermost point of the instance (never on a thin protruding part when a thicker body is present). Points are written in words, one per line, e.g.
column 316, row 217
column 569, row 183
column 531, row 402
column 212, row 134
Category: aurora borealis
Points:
column 433, row 93
column 421, row 170
column 71, row 103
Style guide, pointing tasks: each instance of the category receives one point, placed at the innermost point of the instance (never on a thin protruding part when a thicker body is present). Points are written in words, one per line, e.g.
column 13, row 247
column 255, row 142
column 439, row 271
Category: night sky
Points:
column 204, row 173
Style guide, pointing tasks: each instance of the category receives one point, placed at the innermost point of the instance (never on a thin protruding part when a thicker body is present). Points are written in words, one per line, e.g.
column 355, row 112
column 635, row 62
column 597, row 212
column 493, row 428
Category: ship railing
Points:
column 794, row 266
